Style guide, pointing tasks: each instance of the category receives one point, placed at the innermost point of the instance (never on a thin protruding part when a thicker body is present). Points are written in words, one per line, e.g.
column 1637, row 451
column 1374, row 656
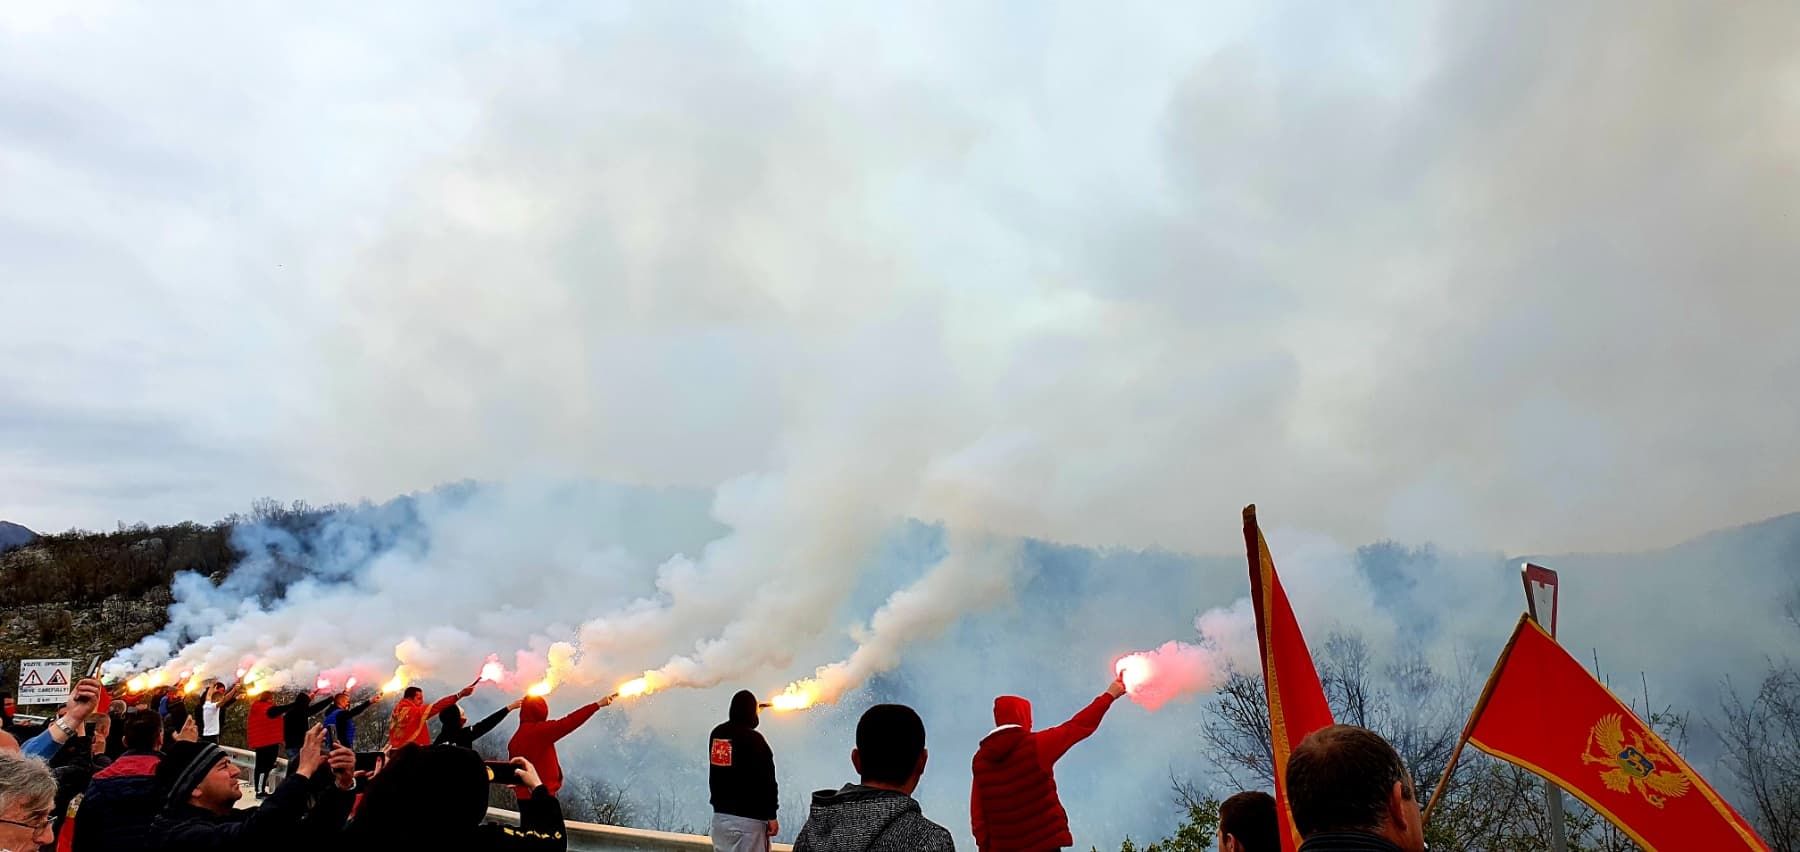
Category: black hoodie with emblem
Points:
column 743, row 767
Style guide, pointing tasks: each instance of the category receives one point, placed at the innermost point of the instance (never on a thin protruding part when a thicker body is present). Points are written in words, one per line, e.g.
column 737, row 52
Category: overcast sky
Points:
column 1479, row 273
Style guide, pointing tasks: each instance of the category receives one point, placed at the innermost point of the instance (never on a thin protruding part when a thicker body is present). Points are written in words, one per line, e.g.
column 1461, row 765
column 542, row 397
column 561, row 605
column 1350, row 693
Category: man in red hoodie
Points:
column 537, row 735
column 1013, row 802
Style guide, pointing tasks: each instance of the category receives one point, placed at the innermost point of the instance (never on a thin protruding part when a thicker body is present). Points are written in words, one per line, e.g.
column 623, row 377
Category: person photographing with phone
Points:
column 436, row 797
column 202, row 791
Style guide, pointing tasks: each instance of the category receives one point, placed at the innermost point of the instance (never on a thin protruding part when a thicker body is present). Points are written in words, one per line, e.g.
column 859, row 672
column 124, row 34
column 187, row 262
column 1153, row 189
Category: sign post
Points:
column 46, row 681
column 1541, row 600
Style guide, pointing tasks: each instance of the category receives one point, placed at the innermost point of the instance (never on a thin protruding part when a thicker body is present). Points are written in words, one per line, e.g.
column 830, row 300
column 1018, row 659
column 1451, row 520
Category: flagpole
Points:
column 1487, row 692
column 1547, row 585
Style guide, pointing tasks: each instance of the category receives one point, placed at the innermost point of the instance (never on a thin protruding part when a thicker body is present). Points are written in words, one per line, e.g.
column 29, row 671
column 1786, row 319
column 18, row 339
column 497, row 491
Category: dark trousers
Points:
column 213, row 738
column 265, row 764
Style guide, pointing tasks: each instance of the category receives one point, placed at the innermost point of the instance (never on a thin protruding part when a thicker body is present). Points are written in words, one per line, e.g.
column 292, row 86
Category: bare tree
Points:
column 1762, row 753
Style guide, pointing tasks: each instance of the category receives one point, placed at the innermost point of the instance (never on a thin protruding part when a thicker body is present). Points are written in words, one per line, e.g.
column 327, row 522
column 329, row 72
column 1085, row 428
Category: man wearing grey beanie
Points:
column 201, row 784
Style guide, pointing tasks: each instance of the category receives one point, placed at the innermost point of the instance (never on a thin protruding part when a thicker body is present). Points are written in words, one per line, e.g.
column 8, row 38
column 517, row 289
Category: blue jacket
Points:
column 342, row 722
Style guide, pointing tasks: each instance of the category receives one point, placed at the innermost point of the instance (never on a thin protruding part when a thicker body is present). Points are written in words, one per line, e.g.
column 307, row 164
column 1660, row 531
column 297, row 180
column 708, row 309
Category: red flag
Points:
column 1297, row 704
column 1542, row 711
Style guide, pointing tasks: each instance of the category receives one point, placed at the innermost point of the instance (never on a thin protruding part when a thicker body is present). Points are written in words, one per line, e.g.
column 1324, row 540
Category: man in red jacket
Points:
column 1013, row 802
column 411, row 722
column 537, row 735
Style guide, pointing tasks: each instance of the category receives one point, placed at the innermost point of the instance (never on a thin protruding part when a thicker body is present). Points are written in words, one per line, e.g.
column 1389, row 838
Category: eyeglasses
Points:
column 37, row 826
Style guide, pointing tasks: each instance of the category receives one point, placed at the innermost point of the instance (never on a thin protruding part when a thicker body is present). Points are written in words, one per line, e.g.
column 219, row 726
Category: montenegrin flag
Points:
column 1542, row 711
column 1297, row 704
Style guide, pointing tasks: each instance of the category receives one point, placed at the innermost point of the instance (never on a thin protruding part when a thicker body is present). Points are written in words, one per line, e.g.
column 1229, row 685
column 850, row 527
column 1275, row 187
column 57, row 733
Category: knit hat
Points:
column 184, row 766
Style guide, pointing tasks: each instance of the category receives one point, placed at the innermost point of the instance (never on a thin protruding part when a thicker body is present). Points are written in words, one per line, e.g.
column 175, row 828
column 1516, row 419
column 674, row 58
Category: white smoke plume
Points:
column 976, row 574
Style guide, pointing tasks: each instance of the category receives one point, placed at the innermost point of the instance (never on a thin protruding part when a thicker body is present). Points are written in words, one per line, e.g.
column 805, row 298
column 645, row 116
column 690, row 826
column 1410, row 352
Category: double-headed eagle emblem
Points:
column 1634, row 763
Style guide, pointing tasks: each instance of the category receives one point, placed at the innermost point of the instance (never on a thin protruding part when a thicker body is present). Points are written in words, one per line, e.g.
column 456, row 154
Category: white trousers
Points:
column 739, row 834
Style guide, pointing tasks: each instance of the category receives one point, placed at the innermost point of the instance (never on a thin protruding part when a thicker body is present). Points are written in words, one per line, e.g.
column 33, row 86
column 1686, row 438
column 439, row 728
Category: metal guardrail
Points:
column 583, row 836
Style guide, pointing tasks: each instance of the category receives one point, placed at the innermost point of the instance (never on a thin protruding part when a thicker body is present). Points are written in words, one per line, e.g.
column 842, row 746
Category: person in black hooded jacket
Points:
column 744, row 794
column 457, row 731
column 294, row 716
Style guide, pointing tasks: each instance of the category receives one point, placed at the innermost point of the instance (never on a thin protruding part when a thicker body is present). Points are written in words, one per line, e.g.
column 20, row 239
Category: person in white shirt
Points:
column 217, row 696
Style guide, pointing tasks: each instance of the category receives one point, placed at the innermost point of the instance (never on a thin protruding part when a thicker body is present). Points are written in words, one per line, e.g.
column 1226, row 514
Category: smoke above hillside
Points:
column 929, row 343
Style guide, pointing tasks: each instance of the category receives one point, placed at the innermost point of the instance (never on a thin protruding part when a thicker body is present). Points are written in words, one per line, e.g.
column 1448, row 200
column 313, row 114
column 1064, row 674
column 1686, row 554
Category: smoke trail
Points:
column 977, row 573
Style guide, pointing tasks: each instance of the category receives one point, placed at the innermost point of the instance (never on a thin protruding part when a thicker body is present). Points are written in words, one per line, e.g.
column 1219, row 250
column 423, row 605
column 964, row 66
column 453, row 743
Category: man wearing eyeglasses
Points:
column 27, row 796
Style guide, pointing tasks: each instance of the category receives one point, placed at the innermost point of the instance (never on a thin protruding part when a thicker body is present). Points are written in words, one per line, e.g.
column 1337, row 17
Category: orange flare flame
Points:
column 797, row 696
column 397, row 683
column 634, row 688
column 136, row 684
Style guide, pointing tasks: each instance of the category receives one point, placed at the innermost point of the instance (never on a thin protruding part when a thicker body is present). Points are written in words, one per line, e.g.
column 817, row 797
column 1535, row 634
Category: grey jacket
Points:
column 864, row 819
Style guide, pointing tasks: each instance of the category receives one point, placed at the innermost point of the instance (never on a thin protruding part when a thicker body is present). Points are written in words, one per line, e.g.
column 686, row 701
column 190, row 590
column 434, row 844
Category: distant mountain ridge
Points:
column 13, row 535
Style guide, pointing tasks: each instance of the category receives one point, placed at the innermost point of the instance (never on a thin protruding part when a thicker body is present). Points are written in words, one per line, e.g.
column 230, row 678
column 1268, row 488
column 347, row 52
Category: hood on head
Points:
column 1012, row 710
column 534, row 709
column 451, row 717
column 743, row 708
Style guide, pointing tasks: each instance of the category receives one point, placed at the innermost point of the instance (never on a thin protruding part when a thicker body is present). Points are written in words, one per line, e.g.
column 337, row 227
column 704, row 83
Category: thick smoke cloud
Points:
column 1483, row 275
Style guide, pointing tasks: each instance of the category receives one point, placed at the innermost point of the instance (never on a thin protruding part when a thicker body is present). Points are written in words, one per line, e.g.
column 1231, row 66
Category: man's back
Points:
column 741, row 772
column 119, row 805
column 866, row 819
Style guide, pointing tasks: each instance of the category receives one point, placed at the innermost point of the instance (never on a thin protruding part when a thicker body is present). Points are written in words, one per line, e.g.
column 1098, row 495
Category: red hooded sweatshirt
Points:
column 536, row 740
column 1013, row 801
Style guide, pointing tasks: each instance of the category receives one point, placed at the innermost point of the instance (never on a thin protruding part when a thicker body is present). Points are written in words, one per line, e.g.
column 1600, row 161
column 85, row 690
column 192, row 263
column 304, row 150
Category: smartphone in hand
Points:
column 502, row 772
column 330, row 738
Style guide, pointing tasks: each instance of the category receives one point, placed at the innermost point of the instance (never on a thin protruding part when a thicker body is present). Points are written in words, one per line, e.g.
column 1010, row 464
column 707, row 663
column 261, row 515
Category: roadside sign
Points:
column 1540, row 595
column 45, row 681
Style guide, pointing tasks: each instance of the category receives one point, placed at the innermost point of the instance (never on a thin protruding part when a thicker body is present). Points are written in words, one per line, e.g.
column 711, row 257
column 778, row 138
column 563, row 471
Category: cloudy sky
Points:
column 1475, row 273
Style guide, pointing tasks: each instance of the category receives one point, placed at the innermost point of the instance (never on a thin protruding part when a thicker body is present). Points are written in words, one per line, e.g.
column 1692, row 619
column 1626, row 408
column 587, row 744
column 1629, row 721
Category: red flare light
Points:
column 1135, row 670
column 492, row 672
column 350, row 684
column 323, row 683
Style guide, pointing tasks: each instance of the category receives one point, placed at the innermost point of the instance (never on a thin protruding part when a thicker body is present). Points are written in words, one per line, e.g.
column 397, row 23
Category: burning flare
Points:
column 156, row 679
column 1135, row 670
column 350, row 684
column 799, row 695
column 634, row 688
column 193, row 685
column 492, row 672
column 541, row 688
column 396, row 683
column 136, row 685
column 322, row 684
column 256, row 688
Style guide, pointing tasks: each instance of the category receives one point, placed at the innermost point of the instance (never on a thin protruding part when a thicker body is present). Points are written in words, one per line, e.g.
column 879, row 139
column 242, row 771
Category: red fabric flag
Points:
column 1297, row 704
column 1544, row 712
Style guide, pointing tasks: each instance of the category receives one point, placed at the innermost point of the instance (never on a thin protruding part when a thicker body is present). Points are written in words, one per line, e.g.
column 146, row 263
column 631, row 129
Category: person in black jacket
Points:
column 202, row 788
column 743, row 781
column 294, row 716
column 457, row 731
column 436, row 797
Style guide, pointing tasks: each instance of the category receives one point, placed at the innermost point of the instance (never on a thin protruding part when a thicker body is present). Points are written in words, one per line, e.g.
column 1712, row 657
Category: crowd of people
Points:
column 151, row 778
